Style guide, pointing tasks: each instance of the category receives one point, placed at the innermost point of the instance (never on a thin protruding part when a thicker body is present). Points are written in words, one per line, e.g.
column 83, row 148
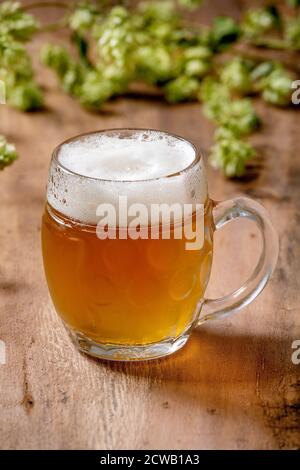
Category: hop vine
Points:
column 152, row 42
column 16, row 71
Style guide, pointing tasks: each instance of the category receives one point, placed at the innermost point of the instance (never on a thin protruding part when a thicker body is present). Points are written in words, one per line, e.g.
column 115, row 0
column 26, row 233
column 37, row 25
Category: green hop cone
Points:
column 292, row 33
column 69, row 71
column 158, row 11
column 15, row 22
column 119, row 76
column 95, row 91
column 198, row 52
column 8, row 153
column 236, row 75
column 277, row 88
column 11, row 51
column 212, row 90
column 57, row 58
column 83, row 18
column 15, row 67
column 160, row 30
column 118, row 14
column 230, row 154
column 190, row 4
column 183, row 88
column 116, row 37
column 15, row 62
column 197, row 61
column 240, row 117
column 197, row 68
column 26, row 96
column 215, row 97
column 73, row 78
column 155, row 64
column 258, row 21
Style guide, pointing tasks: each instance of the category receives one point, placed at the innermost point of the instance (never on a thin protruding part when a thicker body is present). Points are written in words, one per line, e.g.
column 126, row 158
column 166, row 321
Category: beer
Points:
column 124, row 291
column 127, row 238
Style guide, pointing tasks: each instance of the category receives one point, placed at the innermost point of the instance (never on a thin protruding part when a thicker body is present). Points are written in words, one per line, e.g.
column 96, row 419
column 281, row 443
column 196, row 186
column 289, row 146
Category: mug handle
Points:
column 223, row 213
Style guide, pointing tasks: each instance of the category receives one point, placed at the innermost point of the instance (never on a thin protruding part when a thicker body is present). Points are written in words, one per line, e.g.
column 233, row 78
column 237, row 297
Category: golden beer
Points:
column 123, row 291
column 127, row 238
column 125, row 295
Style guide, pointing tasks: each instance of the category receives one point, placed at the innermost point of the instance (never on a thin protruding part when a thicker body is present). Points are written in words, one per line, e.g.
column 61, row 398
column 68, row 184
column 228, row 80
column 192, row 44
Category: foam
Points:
column 146, row 166
column 134, row 159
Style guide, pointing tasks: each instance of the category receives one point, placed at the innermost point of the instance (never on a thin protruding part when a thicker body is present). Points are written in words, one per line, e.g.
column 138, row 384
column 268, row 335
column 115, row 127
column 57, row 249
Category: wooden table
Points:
column 233, row 386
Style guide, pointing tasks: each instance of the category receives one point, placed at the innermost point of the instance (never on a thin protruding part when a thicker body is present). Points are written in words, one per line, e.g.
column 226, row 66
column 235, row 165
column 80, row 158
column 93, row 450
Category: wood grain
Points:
column 233, row 386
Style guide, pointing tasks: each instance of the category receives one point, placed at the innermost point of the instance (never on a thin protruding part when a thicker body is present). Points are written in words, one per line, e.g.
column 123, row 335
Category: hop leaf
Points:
column 261, row 71
column 224, row 31
column 8, row 153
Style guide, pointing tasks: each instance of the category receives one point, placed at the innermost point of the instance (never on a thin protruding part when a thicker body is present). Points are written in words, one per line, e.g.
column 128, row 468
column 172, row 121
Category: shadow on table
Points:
column 217, row 369
column 242, row 378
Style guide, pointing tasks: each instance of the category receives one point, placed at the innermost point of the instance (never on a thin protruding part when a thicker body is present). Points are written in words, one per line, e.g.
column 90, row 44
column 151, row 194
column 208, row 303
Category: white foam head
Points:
column 146, row 166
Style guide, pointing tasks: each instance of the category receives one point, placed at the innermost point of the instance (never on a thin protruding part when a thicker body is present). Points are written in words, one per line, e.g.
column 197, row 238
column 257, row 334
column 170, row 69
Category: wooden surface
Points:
column 233, row 386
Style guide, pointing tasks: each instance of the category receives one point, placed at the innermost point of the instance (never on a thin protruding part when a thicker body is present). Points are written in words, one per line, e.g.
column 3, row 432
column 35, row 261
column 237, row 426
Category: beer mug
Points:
column 127, row 239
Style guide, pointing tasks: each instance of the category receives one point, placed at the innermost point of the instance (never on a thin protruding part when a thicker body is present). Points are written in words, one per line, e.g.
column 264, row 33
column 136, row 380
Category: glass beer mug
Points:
column 127, row 238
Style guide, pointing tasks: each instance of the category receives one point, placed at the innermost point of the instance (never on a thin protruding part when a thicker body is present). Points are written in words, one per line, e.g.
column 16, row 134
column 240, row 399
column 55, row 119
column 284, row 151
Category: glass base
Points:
column 120, row 352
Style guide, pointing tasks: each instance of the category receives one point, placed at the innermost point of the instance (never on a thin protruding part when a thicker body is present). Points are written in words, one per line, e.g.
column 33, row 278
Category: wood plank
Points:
column 233, row 385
